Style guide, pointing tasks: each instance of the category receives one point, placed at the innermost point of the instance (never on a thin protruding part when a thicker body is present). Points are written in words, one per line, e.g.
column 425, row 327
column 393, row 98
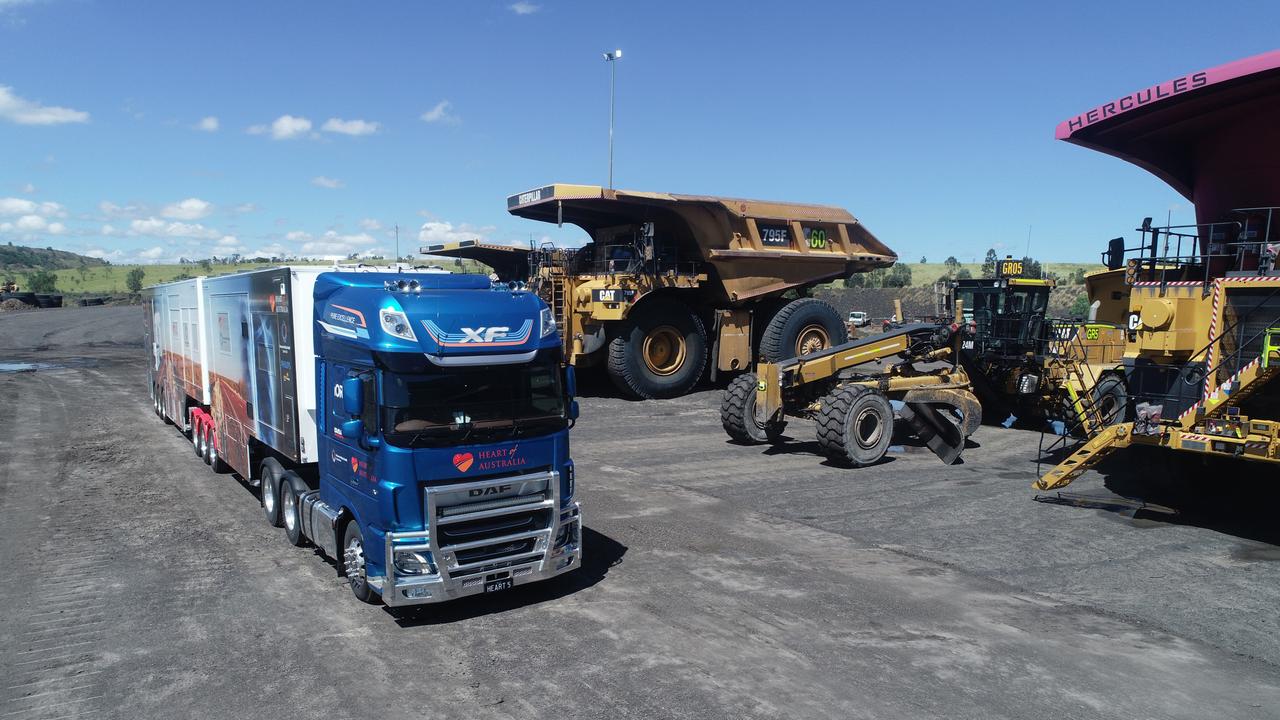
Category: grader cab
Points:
column 668, row 284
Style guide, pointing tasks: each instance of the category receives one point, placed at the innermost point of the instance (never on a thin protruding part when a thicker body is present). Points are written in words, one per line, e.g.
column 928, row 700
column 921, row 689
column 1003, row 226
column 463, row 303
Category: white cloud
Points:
column 326, row 182
column 333, row 244
column 437, row 231
column 28, row 188
column 244, row 208
column 27, row 112
column 155, row 227
column 285, row 127
column 189, row 209
column 370, row 224
column 524, row 8
column 441, row 113
column 154, row 253
column 108, row 230
column 297, row 236
column 23, row 206
column 30, row 223
column 110, row 209
column 207, row 124
column 57, row 228
column 350, row 127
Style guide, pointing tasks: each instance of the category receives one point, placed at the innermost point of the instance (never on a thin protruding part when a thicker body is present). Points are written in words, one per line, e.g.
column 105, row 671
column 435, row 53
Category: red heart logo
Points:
column 463, row 461
column 355, row 465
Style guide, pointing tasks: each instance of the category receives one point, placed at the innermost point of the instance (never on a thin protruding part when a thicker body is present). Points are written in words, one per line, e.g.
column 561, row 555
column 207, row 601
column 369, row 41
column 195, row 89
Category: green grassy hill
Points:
column 95, row 277
column 19, row 258
column 926, row 274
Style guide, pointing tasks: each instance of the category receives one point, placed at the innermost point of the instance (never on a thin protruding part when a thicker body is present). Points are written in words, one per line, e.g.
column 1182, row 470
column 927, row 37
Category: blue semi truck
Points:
column 412, row 425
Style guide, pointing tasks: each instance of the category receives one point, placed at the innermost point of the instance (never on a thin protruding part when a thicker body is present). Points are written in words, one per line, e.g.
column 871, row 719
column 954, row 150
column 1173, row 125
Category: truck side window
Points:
column 369, row 411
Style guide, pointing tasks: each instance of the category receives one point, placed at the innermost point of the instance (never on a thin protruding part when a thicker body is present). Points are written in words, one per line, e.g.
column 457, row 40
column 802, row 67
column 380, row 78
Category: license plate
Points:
column 497, row 585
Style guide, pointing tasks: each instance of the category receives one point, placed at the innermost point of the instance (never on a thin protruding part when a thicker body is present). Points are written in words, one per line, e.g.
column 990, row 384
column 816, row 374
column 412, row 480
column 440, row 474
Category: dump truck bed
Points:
column 756, row 248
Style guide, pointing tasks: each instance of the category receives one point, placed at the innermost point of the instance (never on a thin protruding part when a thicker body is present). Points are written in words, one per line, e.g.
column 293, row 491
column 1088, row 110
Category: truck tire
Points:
column 353, row 564
column 801, row 327
column 212, row 457
column 271, row 472
column 1111, row 398
column 738, row 414
column 660, row 351
column 855, row 425
column 290, row 509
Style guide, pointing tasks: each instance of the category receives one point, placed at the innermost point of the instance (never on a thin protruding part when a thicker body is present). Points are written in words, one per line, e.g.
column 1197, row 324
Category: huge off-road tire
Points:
column 660, row 351
column 1111, row 398
column 738, row 414
column 801, row 327
column 855, row 426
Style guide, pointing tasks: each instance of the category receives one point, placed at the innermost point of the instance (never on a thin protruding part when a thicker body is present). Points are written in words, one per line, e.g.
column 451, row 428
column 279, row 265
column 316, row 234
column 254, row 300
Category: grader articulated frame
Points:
column 852, row 405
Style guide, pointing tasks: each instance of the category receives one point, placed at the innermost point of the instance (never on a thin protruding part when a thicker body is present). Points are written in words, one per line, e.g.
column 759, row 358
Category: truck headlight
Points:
column 396, row 323
column 408, row 562
column 547, row 321
column 1028, row 383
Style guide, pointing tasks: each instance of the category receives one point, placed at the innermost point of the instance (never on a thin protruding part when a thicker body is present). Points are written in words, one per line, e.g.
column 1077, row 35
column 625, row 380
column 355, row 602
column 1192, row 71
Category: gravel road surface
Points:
column 719, row 581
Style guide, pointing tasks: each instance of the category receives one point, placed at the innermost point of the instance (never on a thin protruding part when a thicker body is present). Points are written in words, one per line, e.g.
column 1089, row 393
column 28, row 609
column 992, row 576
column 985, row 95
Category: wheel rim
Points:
column 290, row 521
column 268, row 496
column 812, row 339
column 353, row 561
column 868, row 427
column 664, row 350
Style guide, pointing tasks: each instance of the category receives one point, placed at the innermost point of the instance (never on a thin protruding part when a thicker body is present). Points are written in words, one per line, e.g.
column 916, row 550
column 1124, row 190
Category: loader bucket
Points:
column 932, row 424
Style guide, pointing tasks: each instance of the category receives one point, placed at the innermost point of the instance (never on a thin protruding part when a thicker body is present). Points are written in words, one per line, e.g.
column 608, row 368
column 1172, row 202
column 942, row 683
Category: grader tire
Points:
column 855, row 426
column 801, row 327
column 738, row 416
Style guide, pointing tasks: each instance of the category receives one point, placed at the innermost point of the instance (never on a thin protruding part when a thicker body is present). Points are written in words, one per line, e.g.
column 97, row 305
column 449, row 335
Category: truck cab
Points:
column 442, row 414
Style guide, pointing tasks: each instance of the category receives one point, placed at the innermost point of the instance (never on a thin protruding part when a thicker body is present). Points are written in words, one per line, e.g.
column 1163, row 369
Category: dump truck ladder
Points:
column 1196, row 429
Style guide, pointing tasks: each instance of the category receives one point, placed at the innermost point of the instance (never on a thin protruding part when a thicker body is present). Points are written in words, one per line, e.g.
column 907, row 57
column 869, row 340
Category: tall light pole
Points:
column 612, row 58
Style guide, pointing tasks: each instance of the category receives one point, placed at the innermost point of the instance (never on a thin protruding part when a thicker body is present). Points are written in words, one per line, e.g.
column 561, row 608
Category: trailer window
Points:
column 473, row 404
column 224, row 333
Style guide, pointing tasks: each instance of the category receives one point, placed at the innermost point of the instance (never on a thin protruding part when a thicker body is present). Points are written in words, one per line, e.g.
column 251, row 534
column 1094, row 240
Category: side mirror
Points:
column 353, row 430
column 1115, row 253
column 353, row 395
column 570, row 381
column 573, row 410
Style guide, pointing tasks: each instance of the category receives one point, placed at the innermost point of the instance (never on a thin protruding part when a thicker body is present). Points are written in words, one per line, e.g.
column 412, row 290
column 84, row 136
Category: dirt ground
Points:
column 719, row 581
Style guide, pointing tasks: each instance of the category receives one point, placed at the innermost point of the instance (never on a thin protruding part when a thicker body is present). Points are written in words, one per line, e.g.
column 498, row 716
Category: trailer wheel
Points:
column 660, row 351
column 1111, row 398
column 738, row 414
column 353, row 564
column 206, row 444
column 271, row 472
column 855, row 425
column 290, row 510
column 801, row 327
column 198, row 437
column 212, row 457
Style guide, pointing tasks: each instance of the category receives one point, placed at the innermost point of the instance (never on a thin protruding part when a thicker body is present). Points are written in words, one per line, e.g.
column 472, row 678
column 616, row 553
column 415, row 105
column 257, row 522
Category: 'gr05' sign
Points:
column 1011, row 268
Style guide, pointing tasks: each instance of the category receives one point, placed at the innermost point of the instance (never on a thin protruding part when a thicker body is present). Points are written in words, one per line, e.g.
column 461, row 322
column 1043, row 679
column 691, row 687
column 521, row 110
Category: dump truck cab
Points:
column 667, row 286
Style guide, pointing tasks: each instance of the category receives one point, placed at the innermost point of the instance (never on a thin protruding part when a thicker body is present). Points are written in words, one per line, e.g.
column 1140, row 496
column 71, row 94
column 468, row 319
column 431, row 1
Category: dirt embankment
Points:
column 919, row 301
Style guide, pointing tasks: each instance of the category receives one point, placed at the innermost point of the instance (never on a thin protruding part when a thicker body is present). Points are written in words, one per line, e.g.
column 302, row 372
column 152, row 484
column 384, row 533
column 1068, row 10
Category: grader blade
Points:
column 932, row 424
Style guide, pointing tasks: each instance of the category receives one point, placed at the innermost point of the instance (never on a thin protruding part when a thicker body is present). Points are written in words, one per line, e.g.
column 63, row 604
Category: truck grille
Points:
column 492, row 523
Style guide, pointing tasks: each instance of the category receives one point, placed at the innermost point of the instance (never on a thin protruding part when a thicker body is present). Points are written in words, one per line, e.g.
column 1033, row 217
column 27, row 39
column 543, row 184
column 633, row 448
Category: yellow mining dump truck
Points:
column 669, row 284
column 1202, row 352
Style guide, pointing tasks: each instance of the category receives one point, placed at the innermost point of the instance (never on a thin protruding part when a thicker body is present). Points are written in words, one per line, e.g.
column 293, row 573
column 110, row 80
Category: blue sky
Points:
column 145, row 131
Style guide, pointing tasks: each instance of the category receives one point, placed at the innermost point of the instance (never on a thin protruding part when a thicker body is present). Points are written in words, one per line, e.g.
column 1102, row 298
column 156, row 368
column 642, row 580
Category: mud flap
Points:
column 940, row 433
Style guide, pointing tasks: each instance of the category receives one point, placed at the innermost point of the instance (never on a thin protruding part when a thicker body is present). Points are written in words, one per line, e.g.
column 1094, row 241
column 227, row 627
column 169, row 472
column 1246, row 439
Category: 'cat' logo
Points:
column 484, row 335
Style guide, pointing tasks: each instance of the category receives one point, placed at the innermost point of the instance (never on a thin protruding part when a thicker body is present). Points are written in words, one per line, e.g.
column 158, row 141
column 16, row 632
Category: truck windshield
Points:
column 472, row 404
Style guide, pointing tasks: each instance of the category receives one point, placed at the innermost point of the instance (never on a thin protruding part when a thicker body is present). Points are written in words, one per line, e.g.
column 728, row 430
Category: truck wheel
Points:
column 738, row 414
column 271, row 472
column 290, row 511
column 660, row 351
column 1111, row 398
column 206, row 445
column 353, row 564
column 212, row 457
column 198, row 437
column 855, row 426
column 801, row 327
